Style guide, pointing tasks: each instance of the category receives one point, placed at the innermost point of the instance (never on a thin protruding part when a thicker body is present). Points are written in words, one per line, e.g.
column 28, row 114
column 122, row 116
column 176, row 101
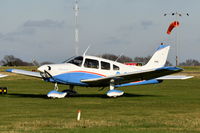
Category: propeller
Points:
column 46, row 75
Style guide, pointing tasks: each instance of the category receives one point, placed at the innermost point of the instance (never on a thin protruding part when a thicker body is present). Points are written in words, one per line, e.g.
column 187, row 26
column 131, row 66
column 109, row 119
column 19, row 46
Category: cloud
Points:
column 1, row 35
column 31, row 28
column 115, row 41
column 43, row 36
column 127, row 28
column 47, row 23
column 135, row 28
column 146, row 24
column 18, row 34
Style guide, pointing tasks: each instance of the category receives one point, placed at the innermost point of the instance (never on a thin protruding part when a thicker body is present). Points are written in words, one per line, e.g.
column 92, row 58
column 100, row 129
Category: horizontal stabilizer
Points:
column 174, row 77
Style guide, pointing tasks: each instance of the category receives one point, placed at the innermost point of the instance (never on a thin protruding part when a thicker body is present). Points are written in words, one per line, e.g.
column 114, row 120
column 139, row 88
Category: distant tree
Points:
column 121, row 59
column 124, row 59
column 10, row 60
column 142, row 60
column 46, row 62
column 190, row 62
column 168, row 63
column 109, row 56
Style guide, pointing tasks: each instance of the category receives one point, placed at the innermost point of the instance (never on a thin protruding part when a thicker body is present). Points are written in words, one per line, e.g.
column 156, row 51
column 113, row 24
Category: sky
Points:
column 43, row 30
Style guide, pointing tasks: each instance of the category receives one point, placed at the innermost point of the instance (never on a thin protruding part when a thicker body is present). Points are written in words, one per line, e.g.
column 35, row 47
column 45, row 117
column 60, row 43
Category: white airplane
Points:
column 91, row 71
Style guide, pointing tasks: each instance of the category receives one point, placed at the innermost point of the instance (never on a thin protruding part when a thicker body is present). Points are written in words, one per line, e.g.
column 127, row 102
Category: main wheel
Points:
column 70, row 92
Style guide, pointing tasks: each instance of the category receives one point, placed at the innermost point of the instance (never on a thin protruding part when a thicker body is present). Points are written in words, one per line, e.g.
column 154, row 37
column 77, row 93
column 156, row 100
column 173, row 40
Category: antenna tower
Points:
column 76, row 33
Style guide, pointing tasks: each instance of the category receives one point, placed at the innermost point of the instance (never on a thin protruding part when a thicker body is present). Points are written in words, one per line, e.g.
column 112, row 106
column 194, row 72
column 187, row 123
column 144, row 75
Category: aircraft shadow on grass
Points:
column 43, row 96
column 27, row 95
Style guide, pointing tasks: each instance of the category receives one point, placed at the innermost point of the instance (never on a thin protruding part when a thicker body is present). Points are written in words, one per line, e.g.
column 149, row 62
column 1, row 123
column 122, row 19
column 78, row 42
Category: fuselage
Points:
column 85, row 67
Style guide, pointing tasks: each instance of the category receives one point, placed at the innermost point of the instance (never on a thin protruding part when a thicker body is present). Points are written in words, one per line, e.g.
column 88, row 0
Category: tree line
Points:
column 10, row 60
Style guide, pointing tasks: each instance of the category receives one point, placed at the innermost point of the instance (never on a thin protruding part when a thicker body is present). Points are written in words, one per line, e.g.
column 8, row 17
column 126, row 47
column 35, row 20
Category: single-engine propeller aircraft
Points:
column 92, row 71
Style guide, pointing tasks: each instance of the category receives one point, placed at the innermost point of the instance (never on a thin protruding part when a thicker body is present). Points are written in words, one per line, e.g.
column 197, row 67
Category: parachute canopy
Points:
column 172, row 26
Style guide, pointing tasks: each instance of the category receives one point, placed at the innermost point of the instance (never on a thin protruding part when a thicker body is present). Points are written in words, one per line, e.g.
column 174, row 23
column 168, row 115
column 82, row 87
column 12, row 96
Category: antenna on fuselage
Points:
column 76, row 32
column 119, row 57
column 86, row 50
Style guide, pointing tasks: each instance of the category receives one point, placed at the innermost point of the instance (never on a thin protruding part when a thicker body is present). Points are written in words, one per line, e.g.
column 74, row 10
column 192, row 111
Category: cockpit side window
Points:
column 76, row 61
column 115, row 67
column 105, row 65
column 90, row 63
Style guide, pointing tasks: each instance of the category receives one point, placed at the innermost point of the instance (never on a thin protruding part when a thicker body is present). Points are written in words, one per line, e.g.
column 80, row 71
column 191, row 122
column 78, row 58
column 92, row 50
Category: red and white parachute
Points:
column 172, row 26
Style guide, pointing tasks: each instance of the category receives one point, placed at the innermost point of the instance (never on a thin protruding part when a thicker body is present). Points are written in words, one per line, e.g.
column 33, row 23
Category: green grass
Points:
column 173, row 106
column 192, row 68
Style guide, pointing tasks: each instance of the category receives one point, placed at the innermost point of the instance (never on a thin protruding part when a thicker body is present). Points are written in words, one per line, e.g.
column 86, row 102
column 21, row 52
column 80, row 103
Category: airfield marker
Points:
column 79, row 115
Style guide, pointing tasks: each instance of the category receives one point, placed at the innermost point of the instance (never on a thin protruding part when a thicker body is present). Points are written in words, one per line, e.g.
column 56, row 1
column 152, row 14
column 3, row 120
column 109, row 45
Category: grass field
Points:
column 172, row 106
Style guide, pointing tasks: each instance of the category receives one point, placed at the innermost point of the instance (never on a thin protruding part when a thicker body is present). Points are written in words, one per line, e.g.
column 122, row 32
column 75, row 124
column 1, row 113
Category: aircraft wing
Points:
column 24, row 72
column 174, row 77
column 1, row 75
column 133, row 76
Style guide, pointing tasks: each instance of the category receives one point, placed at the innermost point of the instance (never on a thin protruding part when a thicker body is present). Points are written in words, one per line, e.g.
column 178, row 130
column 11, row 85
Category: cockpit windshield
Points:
column 75, row 60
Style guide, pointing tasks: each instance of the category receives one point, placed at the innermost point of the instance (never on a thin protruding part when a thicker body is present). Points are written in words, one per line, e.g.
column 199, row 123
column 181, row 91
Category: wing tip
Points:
column 9, row 70
column 174, row 77
column 188, row 77
column 2, row 76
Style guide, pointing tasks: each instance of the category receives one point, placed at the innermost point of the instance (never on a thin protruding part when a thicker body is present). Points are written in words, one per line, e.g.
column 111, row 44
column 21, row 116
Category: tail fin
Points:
column 159, row 58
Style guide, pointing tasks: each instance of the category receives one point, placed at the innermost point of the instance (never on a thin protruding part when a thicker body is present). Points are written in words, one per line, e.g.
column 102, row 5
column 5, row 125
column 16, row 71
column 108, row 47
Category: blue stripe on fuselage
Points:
column 75, row 78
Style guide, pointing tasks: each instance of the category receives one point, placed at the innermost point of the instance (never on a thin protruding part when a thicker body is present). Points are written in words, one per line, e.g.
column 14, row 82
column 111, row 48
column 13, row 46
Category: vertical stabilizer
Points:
column 159, row 58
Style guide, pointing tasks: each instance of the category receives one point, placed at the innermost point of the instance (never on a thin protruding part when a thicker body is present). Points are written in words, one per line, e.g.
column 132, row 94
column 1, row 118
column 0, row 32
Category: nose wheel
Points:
column 55, row 93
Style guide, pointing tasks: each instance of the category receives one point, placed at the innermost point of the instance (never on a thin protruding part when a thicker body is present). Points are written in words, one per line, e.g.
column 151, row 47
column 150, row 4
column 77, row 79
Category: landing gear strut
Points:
column 56, row 87
column 112, row 92
column 70, row 91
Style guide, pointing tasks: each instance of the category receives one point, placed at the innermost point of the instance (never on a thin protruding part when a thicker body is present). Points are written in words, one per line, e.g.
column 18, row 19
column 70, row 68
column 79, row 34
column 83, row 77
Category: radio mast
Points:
column 76, row 32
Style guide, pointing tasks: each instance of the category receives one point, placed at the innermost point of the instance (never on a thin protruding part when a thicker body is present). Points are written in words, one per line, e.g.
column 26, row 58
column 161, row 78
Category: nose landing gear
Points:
column 56, row 94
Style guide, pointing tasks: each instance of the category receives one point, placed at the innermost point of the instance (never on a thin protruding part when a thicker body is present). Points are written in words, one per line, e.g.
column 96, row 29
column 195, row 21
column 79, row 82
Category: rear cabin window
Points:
column 115, row 67
column 90, row 63
column 105, row 65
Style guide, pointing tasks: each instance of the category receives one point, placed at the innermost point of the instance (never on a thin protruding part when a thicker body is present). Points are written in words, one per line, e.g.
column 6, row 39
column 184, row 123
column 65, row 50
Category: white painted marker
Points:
column 79, row 115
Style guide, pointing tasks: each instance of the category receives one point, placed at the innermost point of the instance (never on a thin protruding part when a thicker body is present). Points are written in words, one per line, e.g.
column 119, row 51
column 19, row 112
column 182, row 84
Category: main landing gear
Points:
column 70, row 91
column 112, row 92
